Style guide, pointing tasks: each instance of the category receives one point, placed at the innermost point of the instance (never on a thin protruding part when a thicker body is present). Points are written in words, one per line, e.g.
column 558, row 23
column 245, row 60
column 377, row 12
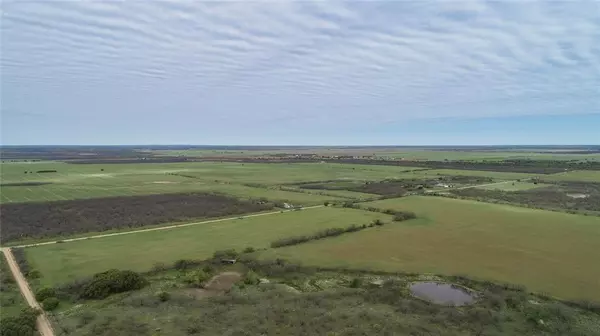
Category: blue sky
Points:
column 314, row 73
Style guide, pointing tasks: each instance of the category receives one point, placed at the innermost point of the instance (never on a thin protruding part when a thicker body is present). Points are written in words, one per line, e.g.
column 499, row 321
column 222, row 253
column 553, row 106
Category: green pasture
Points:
column 480, row 173
column 575, row 175
column 546, row 251
column 76, row 181
column 62, row 262
column 513, row 186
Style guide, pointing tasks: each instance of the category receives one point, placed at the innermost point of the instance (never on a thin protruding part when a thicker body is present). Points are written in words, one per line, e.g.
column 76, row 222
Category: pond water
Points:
column 441, row 293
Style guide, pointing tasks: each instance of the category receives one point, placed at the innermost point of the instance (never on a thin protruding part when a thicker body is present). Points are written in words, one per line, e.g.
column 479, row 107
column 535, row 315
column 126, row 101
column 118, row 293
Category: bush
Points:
column 226, row 254
column 158, row 267
column 44, row 293
column 113, row 281
column 378, row 222
column 183, row 264
column 249, row 250
column 163, row 296
column 21, row 325
column 50, row 303
column 356, row 283
column 196, row 278
column 251, row 278
column 404, row 215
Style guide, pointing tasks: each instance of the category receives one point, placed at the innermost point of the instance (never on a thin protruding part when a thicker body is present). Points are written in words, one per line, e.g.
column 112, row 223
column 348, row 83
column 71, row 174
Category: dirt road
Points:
column 477, row 185
column 43, row 324
column 163, row 227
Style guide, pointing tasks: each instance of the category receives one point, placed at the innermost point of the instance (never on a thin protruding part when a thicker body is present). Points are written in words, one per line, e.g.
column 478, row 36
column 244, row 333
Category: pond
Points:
column 441, row 293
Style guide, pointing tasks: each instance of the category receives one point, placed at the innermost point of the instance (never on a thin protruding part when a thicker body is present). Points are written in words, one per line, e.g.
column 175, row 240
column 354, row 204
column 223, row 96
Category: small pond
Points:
column 441, row 293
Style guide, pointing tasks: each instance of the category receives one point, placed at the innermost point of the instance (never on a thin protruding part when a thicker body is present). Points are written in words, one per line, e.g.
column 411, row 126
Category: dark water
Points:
column 441, row 293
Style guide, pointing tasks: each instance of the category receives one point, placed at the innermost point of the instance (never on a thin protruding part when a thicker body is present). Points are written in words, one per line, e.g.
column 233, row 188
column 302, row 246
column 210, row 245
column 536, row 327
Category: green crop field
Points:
column 576, row 175
column 71, row 181
column 491, row 174
column 59, row 263
column 546, row 251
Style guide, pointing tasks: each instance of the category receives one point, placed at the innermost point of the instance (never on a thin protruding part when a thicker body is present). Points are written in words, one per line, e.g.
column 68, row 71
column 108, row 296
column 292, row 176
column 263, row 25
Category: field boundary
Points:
column 168, row 227
column 43, row 323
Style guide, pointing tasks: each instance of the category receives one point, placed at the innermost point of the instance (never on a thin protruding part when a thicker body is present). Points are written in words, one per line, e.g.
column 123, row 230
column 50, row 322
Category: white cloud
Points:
column 335, row 62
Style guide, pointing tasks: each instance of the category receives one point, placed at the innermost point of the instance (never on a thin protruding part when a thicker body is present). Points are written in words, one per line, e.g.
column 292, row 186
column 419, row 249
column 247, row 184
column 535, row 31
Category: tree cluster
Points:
column 34, row 220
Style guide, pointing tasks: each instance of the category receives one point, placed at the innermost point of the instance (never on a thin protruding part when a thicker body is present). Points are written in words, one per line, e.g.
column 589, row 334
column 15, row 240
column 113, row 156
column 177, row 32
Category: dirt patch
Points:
column 217, row 285
column 578, row 195
column 164, row 182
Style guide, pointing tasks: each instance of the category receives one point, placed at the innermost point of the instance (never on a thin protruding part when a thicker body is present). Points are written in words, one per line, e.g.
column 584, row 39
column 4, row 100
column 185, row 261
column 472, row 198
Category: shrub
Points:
column 196, row 278
column 404, row 215
column 163, row 296
column 113, row 281
column 183, row 264
column 44, row 293
column 50, row 303
column 226, row 254
column 251, row 278
column 249, row 249
column 356, row 283
column 158, row 267
column 326, row 203
column 378, row 222
column 21, row 325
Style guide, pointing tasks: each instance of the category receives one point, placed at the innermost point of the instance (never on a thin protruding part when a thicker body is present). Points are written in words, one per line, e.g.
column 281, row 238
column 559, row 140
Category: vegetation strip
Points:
column 43, row 324
column 160, row 228
column 79, row 216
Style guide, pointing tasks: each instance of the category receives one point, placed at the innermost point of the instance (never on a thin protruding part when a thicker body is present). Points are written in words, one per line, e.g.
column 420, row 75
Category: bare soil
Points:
column 217, row 285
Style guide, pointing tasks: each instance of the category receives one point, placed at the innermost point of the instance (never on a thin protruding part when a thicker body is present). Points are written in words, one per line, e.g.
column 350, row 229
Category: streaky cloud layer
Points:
column 213, row 69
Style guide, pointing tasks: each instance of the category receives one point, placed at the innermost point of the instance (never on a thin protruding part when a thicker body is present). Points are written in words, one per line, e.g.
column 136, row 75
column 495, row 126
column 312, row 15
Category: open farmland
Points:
column 479, row 173
column 496, row 242
column 59, row 263
column 576, row 175
column 60, row 181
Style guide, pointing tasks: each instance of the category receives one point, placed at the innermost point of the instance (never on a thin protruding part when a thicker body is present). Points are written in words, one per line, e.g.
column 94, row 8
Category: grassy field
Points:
column 576, row 175
column 59, row 263
column 514, row 186
column 104, row 180
column 492, row 174
column 546, row 251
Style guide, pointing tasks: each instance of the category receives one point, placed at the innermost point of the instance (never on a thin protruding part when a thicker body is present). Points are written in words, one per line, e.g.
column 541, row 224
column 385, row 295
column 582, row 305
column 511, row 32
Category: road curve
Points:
column 43, row 324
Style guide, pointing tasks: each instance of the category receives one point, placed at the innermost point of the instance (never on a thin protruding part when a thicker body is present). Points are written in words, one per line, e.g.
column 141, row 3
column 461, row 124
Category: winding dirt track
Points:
column 43, row 324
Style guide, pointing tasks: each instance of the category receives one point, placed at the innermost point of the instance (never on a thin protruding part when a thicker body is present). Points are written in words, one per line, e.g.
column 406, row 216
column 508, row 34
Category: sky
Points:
column 300, row 72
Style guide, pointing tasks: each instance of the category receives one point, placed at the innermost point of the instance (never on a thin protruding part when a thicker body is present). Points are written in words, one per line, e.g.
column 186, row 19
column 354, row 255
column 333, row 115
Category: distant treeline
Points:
column 515, row 166
column 130, row 160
